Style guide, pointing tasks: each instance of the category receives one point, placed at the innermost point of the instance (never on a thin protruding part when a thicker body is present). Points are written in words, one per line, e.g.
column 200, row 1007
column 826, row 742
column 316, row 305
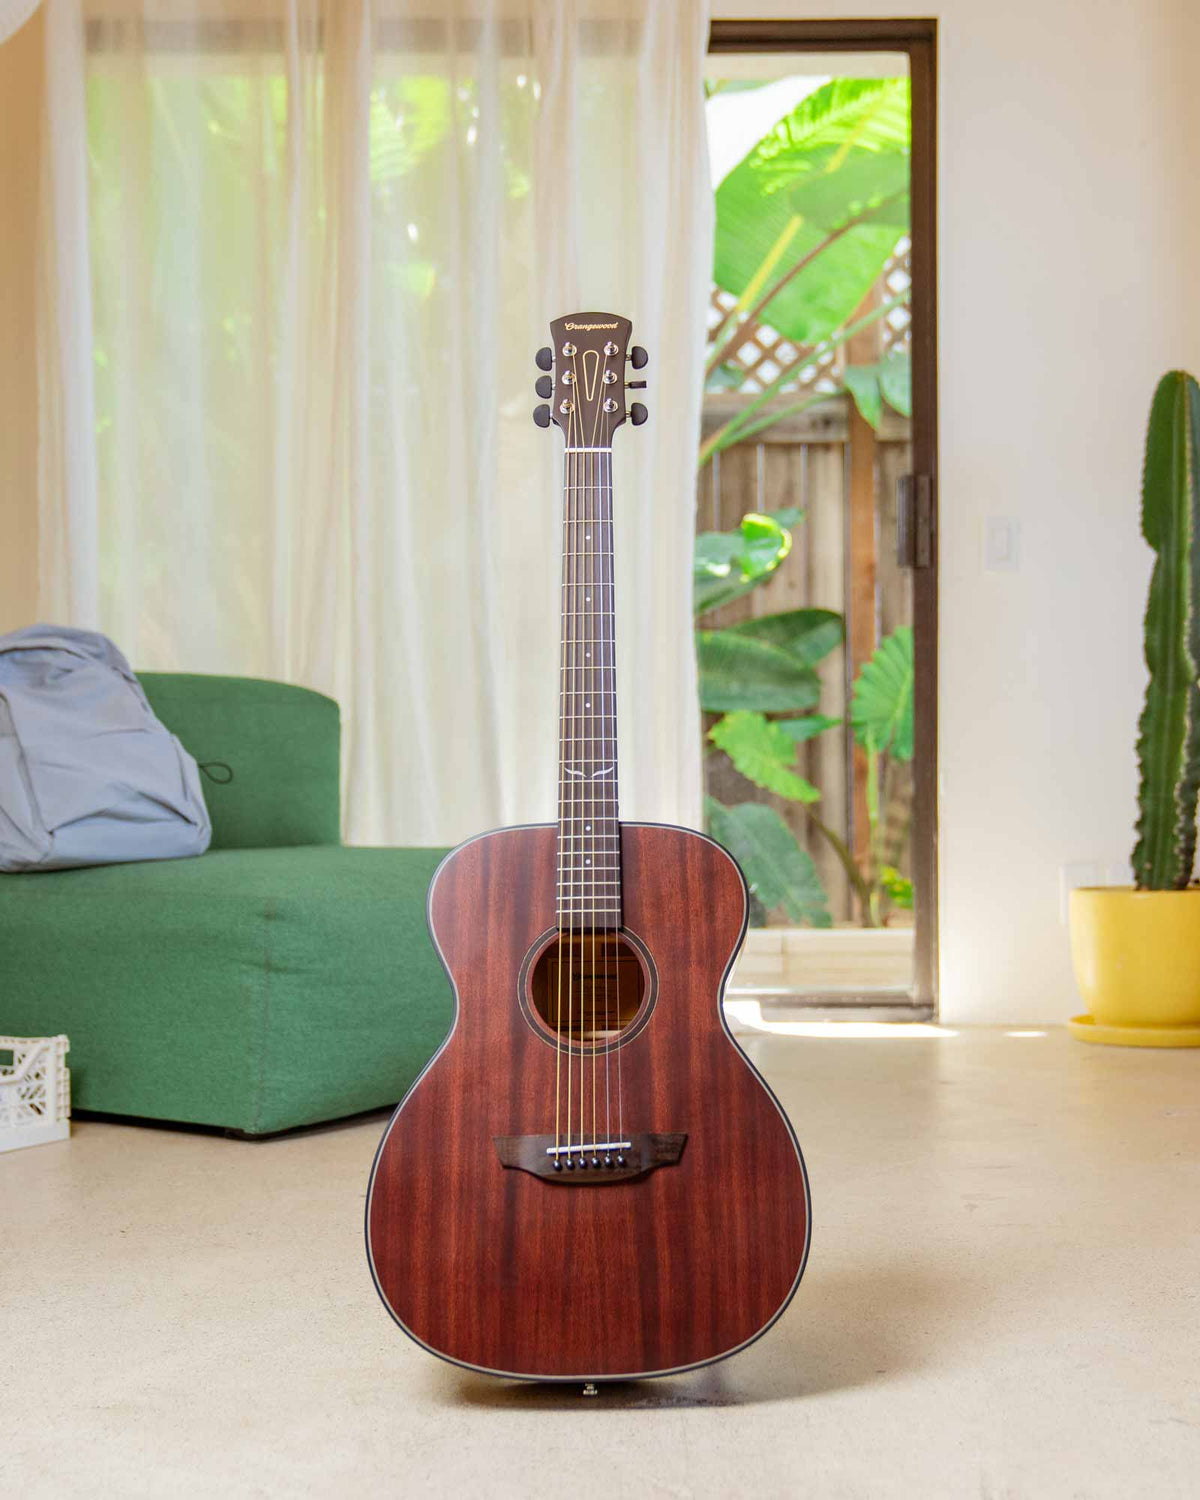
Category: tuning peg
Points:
column 638, row 413
column 544, row 385
column 541, row 415
column 545, row 358
column 638, row 356
column 635, row 385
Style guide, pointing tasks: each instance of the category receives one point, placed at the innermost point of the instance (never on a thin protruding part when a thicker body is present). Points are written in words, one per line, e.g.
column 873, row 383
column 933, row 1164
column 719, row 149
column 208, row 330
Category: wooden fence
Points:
column 843, row 475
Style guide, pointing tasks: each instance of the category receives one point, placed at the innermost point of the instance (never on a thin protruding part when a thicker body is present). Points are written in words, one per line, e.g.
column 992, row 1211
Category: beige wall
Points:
column 20, row 121
column 1069, row 221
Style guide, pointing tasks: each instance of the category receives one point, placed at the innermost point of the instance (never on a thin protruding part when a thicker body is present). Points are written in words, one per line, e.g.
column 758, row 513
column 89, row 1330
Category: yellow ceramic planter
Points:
column 1137, row 964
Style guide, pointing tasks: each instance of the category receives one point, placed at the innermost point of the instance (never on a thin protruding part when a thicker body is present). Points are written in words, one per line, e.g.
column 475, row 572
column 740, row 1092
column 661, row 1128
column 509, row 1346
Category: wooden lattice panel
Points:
column 896, row 326
column 761, row 354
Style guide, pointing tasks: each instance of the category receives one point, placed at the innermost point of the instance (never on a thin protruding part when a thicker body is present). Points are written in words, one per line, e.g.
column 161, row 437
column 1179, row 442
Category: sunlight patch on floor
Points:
column 748, row 1015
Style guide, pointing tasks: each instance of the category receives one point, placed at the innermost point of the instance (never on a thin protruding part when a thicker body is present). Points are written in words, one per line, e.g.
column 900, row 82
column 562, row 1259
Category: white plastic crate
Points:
column 35, row 1091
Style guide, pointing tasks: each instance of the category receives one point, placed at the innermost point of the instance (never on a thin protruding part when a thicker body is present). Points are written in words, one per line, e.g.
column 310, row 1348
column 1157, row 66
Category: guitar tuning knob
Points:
column 541, row 415
column 638, row 413
column 544, row 385
column 545, row 358
column 638, row 357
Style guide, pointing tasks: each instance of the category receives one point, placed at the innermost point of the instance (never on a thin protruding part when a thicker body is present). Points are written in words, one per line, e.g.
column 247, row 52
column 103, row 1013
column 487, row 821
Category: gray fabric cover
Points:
column 88, row 775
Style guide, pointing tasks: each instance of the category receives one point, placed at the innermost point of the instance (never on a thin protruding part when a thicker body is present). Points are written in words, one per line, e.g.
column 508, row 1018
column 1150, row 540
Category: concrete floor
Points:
column 1001, row 1302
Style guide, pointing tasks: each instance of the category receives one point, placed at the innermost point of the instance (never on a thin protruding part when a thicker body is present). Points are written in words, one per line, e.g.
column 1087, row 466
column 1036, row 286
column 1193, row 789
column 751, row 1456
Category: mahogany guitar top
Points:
column 684, row 1257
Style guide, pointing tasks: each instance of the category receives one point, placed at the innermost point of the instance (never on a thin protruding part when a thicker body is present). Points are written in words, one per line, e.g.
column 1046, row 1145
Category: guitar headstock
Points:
column 584, row 384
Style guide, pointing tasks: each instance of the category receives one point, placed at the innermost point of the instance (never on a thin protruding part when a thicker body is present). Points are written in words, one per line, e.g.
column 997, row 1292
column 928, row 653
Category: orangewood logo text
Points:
column 587, row 327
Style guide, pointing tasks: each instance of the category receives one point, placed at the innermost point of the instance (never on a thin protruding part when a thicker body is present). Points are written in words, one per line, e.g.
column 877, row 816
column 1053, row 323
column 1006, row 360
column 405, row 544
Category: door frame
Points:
column 917, row 38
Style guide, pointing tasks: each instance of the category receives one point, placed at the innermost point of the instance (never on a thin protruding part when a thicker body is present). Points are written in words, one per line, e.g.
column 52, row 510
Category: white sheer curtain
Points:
column 325, row 242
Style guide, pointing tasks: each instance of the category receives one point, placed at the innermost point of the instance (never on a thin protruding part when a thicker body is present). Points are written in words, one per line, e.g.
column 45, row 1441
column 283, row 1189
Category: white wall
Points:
column 1069, row 227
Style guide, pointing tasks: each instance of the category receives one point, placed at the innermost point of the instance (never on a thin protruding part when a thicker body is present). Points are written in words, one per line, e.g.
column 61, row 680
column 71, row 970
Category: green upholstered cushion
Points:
column 254, row 989
column 281, row 743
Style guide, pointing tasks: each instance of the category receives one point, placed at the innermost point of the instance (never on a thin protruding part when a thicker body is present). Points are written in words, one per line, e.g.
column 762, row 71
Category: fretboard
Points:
column 589, row 842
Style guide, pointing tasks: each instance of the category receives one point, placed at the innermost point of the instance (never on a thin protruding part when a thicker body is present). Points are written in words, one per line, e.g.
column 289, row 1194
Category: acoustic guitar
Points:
column 589, row 1181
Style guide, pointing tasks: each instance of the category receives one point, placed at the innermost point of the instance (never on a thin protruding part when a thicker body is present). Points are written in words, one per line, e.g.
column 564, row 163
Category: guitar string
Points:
column 583, row 906
column 586, row 907
column 611, row 729
column 616, row 796
column 602, row 489
column 590, row 862
column 572, row 595
column 606, row 936
column 599, row 652
column 562, row 742
column 575, row 426
column 584, row 779
column 590, row 717
column 599, row 606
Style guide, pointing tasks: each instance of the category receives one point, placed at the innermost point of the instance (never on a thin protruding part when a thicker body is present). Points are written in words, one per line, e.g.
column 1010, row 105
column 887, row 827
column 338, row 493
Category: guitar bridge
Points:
column 589, row 1163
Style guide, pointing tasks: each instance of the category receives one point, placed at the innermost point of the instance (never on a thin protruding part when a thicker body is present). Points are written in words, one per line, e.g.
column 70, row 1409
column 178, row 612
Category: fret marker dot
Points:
column 587, row 828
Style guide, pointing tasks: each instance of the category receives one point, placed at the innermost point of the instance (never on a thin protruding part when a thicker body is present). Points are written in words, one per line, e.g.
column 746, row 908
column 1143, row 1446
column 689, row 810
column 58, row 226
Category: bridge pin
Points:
column 595, row 1161
column 608, row 1161
column 557, row 1165
column 570, row 1165
column 620, row 1161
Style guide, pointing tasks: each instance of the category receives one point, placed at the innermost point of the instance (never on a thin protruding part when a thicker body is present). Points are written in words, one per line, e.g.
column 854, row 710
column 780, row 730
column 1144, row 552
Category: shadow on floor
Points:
column 846, row 1328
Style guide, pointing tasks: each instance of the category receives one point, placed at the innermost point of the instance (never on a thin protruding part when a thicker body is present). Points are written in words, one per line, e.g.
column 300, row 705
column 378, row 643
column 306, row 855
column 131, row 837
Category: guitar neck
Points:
column 589, row 846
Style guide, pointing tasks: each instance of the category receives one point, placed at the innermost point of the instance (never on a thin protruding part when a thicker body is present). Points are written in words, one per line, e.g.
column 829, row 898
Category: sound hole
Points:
column 588, row 987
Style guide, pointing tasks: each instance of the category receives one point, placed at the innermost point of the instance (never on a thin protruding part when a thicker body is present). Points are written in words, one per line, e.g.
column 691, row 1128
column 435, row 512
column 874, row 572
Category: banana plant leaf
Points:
column 766, row 664
column 842, row 152
column 778, row 872
column 765, row 753
column 871, row 385
column 728, row 564
column 808, row 727
column 810, row 634
column 881, row 706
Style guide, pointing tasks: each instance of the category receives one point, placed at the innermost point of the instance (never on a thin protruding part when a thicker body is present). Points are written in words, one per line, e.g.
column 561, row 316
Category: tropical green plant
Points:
column 728, row 564
column 767, row 663
column 881, row 716
column 764, row 750
column 837, row 164
column 778, row 872
column 805, row 224
column 1168, row 744
column 767, row 666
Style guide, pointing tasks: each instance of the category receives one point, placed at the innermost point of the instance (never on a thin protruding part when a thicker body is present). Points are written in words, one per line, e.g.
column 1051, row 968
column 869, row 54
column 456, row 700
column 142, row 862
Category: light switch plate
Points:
column 1001, row 544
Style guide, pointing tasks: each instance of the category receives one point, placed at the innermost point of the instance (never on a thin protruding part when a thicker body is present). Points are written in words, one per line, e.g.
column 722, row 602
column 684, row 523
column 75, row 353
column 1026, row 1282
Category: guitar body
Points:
column 681, row 1257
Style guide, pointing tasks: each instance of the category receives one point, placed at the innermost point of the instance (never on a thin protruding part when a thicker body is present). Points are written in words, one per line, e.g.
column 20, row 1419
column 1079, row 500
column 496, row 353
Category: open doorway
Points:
column 815, row 553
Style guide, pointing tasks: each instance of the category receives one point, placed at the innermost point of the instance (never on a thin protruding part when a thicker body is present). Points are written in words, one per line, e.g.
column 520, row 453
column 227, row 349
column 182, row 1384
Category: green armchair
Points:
column 278, row 980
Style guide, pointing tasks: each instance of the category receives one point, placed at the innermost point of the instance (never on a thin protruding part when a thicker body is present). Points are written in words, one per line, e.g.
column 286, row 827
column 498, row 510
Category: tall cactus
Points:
column 1169, row 729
